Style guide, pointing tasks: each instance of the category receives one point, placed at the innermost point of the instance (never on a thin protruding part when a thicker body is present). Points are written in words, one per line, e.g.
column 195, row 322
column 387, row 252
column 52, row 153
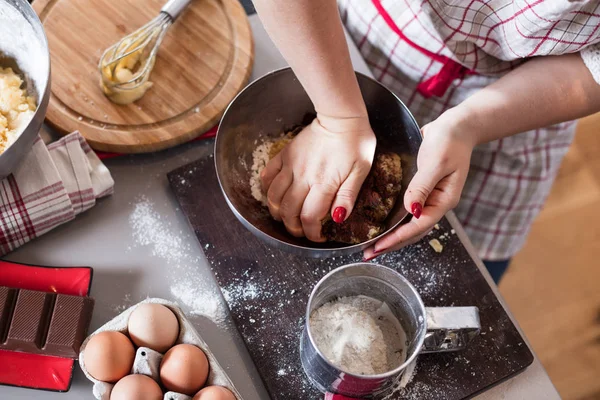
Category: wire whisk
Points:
column 126, row 66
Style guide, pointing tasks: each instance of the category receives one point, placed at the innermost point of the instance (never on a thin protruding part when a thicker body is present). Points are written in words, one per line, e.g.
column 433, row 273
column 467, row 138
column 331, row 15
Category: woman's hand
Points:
column 443, row 164
column 320, row 171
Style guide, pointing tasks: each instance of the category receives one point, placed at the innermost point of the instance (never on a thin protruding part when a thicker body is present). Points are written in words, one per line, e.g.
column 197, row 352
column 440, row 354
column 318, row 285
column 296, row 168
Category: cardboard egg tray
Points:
column 147, row 361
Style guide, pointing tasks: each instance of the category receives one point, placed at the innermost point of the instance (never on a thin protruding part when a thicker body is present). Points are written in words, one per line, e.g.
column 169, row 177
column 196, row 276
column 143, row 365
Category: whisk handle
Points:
column 174, row 7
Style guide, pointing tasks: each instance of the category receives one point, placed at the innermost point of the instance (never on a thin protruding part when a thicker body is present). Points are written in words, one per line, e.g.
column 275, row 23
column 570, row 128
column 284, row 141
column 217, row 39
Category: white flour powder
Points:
column 188, row 285
column 359, row 335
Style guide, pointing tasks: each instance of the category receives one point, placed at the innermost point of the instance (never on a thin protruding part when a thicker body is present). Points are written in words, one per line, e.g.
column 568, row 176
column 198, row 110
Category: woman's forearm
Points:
column 539, row 93
column 309, row 35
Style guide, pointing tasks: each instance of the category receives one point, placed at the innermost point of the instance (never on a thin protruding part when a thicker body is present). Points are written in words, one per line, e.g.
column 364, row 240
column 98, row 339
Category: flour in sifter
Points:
column 359, row 335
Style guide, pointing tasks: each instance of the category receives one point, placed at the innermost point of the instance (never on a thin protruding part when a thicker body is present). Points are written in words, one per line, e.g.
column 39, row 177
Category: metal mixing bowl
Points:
column 24, row 48
column 277, row 102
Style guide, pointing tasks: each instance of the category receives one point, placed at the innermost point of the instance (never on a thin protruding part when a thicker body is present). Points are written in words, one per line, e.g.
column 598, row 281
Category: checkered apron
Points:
column 435, row 53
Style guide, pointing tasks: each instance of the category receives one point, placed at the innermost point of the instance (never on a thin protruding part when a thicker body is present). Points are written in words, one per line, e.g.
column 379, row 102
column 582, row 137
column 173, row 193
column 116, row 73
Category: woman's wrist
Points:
column 344, row 124
column 461, row 123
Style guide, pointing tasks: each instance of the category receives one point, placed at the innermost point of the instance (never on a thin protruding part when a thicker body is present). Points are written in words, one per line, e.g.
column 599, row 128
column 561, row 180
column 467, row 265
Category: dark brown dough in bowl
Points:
column 375, row 200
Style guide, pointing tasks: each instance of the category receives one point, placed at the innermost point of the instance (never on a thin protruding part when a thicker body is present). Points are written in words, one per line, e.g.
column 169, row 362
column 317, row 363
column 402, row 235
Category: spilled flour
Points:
column 187, row 284
column 359, row 335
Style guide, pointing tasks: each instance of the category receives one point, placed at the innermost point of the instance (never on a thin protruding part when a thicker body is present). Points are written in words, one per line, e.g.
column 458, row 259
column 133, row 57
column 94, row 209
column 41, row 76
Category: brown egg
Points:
column 184, row 369
column 154, row 326
column 136, row 387
column 214, row 393
column 108, row 356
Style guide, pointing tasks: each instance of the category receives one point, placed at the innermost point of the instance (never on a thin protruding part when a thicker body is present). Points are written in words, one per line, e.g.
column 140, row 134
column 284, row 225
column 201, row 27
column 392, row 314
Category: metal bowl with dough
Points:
column 24, row 48
column 277, row 102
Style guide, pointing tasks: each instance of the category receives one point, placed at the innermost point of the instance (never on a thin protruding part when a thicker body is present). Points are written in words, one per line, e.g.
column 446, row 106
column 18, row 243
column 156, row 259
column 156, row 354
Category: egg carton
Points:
column 147, row 361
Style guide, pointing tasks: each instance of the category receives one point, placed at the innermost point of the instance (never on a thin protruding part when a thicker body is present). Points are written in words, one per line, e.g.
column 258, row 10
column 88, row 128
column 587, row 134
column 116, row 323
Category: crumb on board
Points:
column 436, row 245
column 437, row 226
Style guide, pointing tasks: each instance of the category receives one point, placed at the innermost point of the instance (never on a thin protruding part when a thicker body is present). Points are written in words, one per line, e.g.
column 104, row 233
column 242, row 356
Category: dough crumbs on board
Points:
column 436, row 245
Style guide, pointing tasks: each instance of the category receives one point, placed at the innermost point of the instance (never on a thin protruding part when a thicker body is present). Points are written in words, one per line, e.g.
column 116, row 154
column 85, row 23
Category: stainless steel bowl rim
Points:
column 239, row 215
column 420, row 340
column 46, row 84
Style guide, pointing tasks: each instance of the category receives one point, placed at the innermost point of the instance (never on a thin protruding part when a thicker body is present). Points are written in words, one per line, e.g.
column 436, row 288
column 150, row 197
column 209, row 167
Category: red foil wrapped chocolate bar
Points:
column 39, row 371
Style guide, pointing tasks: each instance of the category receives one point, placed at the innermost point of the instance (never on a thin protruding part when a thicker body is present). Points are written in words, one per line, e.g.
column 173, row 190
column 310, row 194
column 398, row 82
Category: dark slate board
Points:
column 267, row 291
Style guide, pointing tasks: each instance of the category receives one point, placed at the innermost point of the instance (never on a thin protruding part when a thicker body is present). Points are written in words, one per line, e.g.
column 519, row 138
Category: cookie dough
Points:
column 16, row 108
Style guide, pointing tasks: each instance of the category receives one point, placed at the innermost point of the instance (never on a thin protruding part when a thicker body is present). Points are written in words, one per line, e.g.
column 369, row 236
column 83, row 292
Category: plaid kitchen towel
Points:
column 51, row 186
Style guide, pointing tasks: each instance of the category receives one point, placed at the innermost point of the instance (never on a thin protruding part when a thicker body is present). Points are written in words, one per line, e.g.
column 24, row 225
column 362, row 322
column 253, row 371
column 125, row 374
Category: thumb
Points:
column 347, row 194
column 419, row 189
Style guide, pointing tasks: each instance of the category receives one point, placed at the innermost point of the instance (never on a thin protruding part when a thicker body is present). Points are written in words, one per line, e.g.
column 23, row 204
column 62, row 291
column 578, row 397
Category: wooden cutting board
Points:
column 204, row 61
column 267, row 291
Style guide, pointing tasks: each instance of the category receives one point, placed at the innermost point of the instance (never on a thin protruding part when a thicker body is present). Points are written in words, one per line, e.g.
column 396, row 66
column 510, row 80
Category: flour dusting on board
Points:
column 260, row 300
column 271, row 318
column 187, row 284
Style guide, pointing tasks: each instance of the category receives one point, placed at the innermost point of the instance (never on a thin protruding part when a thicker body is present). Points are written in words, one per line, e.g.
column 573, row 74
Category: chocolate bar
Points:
column 43, row 323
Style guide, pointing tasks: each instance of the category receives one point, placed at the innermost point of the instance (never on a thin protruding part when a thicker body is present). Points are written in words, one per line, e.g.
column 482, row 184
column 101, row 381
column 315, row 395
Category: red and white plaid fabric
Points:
column 435, row 53
column 51, row 186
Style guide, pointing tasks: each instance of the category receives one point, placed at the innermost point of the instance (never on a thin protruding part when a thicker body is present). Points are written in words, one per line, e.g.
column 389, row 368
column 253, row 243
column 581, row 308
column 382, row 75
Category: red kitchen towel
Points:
column 51, row 186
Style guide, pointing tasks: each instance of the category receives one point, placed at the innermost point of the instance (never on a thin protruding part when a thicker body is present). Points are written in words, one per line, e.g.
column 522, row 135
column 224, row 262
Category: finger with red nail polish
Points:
column 416, row 210
column 339, row 215
column 368, row 254
column 380, row 251
column 348, row 192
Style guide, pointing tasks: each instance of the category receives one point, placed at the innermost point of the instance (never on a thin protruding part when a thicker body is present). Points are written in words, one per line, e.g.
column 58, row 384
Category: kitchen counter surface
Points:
column 123, row 238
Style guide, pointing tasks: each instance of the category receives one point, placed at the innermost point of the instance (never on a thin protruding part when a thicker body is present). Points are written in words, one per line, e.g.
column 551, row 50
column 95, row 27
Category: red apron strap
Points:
column 438, row 84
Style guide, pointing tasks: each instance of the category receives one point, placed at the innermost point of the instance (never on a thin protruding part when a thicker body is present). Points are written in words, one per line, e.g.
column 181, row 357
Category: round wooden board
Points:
column 204, row 61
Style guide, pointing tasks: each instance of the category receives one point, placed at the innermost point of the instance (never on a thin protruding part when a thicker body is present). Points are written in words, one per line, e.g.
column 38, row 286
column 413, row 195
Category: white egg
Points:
column 154, row 326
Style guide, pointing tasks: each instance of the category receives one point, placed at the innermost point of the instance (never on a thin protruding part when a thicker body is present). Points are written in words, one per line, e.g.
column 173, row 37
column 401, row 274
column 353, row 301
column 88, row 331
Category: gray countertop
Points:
column 121, row 244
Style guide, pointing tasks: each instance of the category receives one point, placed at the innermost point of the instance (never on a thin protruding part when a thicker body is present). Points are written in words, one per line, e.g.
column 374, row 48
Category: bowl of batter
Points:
column 24, row 81
column 266, row 115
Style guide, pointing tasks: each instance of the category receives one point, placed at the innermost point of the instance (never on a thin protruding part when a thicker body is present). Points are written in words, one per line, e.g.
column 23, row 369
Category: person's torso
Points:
column 434, row 54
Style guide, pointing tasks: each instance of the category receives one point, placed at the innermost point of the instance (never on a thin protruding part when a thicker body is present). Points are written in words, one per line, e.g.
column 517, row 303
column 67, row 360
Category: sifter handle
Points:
column 450, row 328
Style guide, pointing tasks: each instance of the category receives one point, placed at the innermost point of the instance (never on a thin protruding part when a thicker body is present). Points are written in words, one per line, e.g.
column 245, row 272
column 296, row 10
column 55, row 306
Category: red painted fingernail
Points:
column 368, row 259
column 380, row 251
column 339, row 215
column 416, row 209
